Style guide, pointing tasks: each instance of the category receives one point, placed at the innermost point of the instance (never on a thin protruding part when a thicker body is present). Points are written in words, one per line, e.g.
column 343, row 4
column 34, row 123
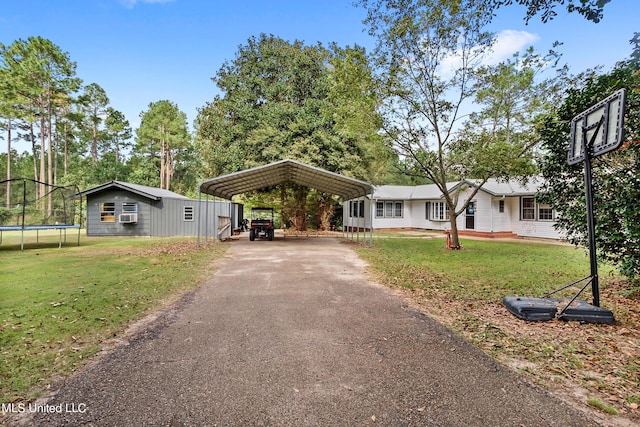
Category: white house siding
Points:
column 482, row 211
column 415, row 212
column 357, row 222
column 501, row 221
column 532, row 228
column 405, row 221
column 438, row 225
column 487, row 218
column 542, row 229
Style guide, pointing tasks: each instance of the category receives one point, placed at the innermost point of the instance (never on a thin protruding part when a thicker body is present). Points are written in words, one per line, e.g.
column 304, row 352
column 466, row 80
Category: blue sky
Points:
column 142, row 51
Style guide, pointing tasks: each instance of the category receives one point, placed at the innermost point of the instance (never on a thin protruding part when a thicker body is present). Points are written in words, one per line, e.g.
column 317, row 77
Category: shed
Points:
column 124, row 209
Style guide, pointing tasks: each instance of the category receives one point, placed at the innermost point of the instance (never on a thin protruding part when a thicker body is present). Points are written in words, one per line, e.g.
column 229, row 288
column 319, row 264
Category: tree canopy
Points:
column 284, row 99
column 591, row 10
column 430, row 60
column 162, row 135
column 616, row 183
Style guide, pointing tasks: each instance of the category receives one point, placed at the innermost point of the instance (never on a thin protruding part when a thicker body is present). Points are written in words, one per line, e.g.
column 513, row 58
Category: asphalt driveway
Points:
column 291, row 333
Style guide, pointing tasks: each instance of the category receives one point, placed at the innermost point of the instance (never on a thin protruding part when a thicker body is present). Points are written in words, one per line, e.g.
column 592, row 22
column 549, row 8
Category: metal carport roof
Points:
column 285, row 171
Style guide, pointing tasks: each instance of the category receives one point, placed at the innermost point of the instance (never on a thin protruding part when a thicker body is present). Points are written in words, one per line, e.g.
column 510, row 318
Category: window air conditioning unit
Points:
column 128, row 218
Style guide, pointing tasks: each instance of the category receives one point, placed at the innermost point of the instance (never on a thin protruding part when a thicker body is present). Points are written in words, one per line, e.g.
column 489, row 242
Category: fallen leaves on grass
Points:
column 578, row 361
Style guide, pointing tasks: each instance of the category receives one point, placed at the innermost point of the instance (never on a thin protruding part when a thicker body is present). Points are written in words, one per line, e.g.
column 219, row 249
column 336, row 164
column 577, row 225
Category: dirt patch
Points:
column 576, row 362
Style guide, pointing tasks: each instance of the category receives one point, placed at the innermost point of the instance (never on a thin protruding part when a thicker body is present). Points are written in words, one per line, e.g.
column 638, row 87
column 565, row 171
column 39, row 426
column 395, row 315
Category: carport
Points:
column 289, row 172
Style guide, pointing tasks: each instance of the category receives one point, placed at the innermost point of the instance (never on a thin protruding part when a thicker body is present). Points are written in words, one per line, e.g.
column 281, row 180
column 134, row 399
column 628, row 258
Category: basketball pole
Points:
column 586, row 149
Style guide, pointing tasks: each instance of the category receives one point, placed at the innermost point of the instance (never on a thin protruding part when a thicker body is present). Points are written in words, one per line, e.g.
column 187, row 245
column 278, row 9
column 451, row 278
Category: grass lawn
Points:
column 597, row 366
column 59, row 305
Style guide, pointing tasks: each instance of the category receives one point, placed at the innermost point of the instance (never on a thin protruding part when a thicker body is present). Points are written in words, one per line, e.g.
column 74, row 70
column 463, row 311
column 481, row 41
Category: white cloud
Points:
column 509, row 42
column 129, row 4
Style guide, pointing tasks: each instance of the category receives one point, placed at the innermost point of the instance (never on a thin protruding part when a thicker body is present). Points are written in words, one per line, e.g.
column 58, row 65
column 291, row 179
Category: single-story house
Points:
column 124, row 209
column 499, row 209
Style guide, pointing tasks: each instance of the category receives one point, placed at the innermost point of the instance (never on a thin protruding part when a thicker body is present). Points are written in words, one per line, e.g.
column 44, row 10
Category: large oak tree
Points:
column 282, row 99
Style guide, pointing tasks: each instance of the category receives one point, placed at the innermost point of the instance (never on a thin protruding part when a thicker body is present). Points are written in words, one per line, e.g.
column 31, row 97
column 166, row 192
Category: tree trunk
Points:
column 94, row 144
column 455, row 240
column 34, row 154
column 117, row 154
column 49, row 161
column 43, row 168
column 169, row 168
column 284, row 214
column 66, row 151
column 300, row 203
column 162, row 162
column 8, row 163
column 325, row 212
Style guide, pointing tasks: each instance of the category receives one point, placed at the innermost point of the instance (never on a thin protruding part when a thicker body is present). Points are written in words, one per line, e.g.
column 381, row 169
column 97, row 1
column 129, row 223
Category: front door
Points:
column 470, row 216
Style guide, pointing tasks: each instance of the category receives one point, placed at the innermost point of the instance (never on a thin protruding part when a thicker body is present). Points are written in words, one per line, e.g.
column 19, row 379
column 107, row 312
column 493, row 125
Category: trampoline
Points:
column 30, row 205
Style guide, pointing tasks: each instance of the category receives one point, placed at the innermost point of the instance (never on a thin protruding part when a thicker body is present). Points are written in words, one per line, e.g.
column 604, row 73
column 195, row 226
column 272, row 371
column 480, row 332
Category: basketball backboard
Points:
column 600, row 128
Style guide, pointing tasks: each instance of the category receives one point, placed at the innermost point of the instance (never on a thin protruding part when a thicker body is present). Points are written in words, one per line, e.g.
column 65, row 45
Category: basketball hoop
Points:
column 594, row 132
column 601, row 127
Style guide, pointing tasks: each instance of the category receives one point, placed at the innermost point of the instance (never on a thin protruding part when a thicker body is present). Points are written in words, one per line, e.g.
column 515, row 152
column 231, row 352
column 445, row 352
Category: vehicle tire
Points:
column 271, row 235
column 252, row 235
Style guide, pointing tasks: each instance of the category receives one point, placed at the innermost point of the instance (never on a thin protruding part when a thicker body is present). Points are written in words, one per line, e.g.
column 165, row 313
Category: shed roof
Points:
column 285, row 171
column 142, row 190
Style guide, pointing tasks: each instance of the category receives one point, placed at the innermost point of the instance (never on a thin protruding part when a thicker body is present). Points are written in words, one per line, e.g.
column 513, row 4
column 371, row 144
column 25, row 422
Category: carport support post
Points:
column 357, row 212
column 199, row 212
column 206, row 220
column 350, row 219
column 364, row 221
column 371, row 207
column 343, row 221
column 215, row 220
column 361, row 215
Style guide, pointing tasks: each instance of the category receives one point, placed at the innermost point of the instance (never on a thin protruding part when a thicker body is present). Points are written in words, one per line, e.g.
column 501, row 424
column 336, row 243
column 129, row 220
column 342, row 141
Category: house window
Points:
column 398, row 210
column 129, row 208
column 533, row 211
column 390, row 209
column 379, row 209
column 108, row 212
column 545, row 212
column 501, row 206
column 528, row 208
column 187, row 213
column 356, row 209
column 438, row 211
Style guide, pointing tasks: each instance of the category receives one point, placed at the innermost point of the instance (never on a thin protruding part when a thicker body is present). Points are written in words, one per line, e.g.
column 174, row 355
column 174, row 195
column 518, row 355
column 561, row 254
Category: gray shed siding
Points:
column 97, row 228
column 156, row 218
column 168, row 217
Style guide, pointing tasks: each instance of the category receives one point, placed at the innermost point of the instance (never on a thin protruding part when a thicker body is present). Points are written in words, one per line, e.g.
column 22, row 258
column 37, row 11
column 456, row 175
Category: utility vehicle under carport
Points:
column 289, row 171
column 261, row 224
